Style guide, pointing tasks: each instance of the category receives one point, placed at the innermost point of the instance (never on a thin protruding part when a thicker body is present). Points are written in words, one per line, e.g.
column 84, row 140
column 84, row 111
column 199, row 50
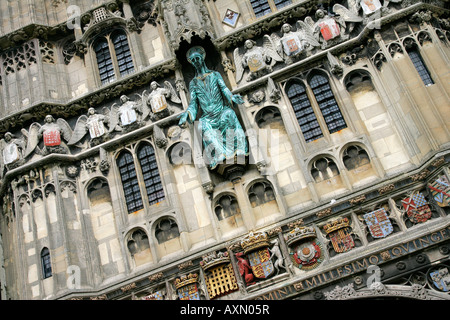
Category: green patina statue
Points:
column 222, row 134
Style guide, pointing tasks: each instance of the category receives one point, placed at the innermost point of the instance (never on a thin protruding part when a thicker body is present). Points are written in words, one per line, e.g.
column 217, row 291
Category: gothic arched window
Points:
column 46, row 263
column 304, row 112
column 113, row 56
column 150, row 174
column 327, row 103
column 130, row 182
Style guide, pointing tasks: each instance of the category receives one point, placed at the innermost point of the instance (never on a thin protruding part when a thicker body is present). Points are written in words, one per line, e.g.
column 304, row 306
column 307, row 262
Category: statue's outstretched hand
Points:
column 237, row 99
column 183, row 118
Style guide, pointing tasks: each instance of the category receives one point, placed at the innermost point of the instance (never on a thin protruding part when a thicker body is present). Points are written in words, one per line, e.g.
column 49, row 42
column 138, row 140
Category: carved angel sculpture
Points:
column 92, row 122
column 293, row 44
column 124, row 116
column 51, row 132
column 155, row 103
column 12, row 152
column 332, row 29
column 350, row 15
column 258, row 60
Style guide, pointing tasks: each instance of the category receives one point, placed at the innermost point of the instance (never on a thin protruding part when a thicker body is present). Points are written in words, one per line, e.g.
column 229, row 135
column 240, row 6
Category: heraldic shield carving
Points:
column 416, row 207
column 256, row 248
column 219, row 275
column 378, row 223
column 187, row 287
column 340, row 234
column 441, row 278
column 305, row 251
column 440, row 189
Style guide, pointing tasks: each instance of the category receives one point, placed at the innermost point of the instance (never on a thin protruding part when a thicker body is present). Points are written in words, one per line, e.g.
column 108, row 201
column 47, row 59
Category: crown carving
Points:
column 254, row 241
column 336, row 225
column 185, row 280
column 214, row 259
column 300, row 233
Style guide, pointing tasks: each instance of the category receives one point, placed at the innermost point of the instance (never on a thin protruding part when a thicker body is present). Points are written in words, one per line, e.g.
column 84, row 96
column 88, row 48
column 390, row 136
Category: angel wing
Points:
column 79, row 131
column 238, row 65
column 113, row 115
column 173, row 93
column 32, row 138
column 354, row 6
column 66, row 130
column 346, row 14
column 307, row 33
column 277, row 44
column 145, row 110
column 271, row 50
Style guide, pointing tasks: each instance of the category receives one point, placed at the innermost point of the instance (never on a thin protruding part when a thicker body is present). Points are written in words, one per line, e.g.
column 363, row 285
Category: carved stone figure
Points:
column 331, row 30
column 12, row 151
column 222, row 134
column 51, row 132
column 156, row 102
column 293, row 44
column 93, row 122
column 259, row 60
column 277, row 255
column 124, row 117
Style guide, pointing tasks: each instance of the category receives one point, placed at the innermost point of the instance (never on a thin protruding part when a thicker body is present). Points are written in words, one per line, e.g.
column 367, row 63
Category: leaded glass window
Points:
column 263, row 7
column 104, row 61
column 304, row 112
column 150, row 173
column 327, row 103
column 46, row 263
column 113, row 55
column 130, row 182
column 420, row 66
column 123, row 53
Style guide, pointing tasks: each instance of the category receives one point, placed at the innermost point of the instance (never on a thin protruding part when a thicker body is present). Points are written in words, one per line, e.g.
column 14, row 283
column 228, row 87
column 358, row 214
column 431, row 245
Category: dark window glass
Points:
column 123, row 53
column 260, row 7
column 327, row 103
column 420, row 66
column 282, row 3
column 304, row 113
column 130, row 183
column 152, row 180
column 104, row 61
column 46, row 263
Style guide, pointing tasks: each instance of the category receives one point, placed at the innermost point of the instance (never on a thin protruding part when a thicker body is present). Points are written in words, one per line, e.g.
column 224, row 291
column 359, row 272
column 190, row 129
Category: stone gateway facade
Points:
column 343, row 193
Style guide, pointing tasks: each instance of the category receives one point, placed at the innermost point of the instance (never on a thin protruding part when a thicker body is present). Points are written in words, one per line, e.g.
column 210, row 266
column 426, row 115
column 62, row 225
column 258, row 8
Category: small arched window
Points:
column 113, row 56
column 130, row 182
column 166, row 230
column 327, row 103
column 46, row 263
column 138, row 242
column 304, row 112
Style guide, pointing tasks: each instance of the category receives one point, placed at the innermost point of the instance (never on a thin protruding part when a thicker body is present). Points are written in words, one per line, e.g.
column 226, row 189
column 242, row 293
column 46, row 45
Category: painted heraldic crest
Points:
column 378, row 223
column 417, row 208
